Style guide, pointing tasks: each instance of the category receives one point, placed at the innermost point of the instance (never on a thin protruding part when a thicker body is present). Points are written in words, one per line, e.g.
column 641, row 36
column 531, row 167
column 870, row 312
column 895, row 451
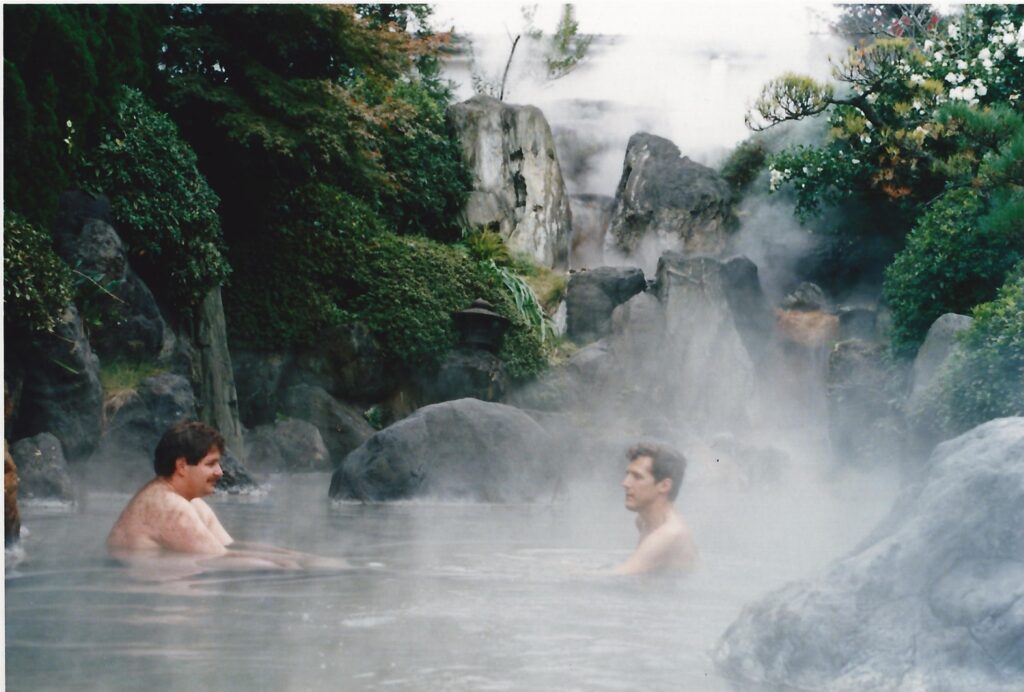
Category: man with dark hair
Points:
column 169, row 514
column 652, row 482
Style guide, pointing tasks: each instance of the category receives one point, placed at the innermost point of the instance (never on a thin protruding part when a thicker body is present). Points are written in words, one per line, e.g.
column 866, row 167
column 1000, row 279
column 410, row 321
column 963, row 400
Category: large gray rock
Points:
column 938, row 346
column 136, row 421
column 288, row 445
column 42, row 469
column 932, row 600
column 465, row 449
column 517, row 183
column 75, row 208
column 591, row 297
column 128, row 322
column 342, row 426
column 665, row 201
column 61, row 392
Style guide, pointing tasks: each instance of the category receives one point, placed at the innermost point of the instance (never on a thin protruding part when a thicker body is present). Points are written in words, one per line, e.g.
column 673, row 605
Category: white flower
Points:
column 1020, row 51
column 856, row 160
column 1013, row 97
column 917, row 104
column 961, row 64
column 979, row 87
column 954, row 78
column 962, row 93
column 871, row 98
column 916, row 79
column 954, row 31
column 865, row 138
column 774, row 179
column 928, row 46
column 987, row 64
column 68, row 123
column 985, row 54
column 999, row 54
column 938, row 55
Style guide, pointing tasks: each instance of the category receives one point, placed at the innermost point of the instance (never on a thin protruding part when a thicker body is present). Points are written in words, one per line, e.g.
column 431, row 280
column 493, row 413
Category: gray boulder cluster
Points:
column 932, row 599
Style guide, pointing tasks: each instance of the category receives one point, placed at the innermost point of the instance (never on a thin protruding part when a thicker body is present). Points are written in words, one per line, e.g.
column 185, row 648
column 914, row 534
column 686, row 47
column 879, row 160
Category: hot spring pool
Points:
column 442, row 596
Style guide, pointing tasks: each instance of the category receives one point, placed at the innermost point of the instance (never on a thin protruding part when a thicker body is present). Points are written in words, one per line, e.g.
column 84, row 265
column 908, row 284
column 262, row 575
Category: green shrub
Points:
column 332, row 260
column 743, row 164
column 957, row 256
column 986, row 379
column 118, row 377
column 37, row 283
column 163, row 207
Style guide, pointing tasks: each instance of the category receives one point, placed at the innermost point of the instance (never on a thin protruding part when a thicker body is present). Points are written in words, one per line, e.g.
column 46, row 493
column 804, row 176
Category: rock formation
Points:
column 42, row 469
column 933, row 599
column 61, row 392
column 592, row 296
column 288, row 445
column 465, row 449
column 665, row 201
column 518, row 189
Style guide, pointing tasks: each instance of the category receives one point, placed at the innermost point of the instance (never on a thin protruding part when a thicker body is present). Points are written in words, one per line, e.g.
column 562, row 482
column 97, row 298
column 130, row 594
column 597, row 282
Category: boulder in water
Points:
column 463, row 449
column 42, row 469
column 932, row 600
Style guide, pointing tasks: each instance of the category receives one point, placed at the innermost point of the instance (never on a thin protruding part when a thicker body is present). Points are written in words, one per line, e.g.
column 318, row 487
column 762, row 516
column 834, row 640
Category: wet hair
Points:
column 665, row 463
column 190, row 439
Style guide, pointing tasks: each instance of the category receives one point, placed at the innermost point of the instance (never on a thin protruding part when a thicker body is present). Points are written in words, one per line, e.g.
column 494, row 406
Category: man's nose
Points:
column 218, row 471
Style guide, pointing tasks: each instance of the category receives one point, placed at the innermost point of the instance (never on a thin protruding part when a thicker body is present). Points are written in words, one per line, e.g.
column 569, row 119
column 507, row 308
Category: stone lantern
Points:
column 479, row 327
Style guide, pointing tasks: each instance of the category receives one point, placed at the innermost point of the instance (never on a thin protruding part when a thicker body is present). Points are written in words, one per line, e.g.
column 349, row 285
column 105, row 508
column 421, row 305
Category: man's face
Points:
column 202, row 477
column 641, row 488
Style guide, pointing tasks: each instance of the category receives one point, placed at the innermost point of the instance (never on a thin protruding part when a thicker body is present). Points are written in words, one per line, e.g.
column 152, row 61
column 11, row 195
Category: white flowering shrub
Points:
column 890, row 132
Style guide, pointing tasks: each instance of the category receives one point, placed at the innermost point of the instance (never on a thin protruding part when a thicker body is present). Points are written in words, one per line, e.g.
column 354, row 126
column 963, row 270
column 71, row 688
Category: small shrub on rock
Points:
column 37, row 283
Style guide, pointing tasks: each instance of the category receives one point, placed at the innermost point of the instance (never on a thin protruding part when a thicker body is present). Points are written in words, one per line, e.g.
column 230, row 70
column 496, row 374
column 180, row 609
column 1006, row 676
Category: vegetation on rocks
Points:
column 37, row 283
column 162, row 206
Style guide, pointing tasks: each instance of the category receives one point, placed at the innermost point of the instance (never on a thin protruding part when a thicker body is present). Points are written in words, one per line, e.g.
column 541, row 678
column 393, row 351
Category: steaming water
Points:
column 442, row 596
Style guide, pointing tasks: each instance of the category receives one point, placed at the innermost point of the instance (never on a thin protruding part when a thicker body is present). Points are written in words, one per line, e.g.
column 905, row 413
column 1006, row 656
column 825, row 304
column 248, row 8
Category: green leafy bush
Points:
column 743, row 164
column 957, row 256
column 333, row 260
column 986, row 378
column 162, row 205
column 37, row 283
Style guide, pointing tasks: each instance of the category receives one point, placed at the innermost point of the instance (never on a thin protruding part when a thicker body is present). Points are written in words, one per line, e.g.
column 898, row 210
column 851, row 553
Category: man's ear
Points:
column 664, row 485
column 179, row 465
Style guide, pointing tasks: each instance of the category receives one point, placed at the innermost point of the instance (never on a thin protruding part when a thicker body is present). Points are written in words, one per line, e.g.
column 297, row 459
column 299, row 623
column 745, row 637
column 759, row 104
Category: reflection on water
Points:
column 441, row 596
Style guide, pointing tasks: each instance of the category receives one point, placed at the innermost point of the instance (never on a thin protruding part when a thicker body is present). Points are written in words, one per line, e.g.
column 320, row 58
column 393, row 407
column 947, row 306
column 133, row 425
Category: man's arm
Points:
column 211, row 521
column 184, row 531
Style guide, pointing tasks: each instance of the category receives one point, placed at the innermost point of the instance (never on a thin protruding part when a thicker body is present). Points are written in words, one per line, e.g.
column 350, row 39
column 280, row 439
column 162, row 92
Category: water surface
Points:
column 442, row 596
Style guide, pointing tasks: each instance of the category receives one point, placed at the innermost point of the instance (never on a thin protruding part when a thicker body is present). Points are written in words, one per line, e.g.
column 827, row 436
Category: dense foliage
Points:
column 37, row 283
column 986, row 378
column 275, row 96
column 345, row 264
column 63, row 67
column 162, row 206
column 957, row 256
